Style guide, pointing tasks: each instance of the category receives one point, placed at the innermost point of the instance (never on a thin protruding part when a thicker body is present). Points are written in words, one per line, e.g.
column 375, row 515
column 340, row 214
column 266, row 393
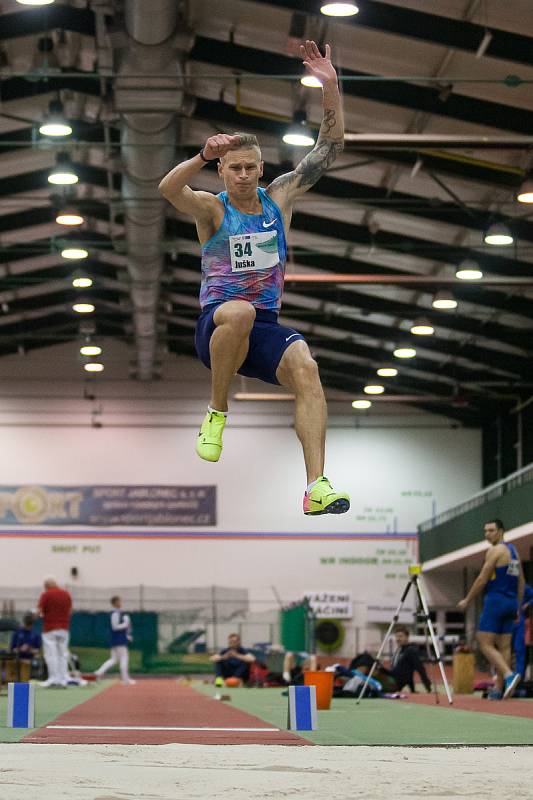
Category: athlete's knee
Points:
column 244, row 317
column 240, row 315
column 305, row 374
column 484, row 644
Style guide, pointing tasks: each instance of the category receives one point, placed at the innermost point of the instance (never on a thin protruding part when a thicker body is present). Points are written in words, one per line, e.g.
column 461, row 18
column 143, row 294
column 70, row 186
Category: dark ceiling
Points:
column 408, row 212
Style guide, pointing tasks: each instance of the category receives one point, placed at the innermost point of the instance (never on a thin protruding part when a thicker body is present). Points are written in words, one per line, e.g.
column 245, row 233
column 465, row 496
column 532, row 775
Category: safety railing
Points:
column 492, row 492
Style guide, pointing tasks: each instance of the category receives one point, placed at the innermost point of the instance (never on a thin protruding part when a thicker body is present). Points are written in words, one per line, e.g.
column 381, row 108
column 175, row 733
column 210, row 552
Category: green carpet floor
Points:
column 386, row 722
column 373, row 722
column 49, row 703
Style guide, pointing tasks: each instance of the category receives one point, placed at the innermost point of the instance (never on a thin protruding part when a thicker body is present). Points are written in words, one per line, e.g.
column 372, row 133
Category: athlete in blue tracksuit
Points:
column 502, row 580
column 120, row 636
column 518, row 641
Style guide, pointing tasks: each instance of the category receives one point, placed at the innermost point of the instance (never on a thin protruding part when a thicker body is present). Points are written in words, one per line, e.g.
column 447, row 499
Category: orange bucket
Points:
column 324, row 686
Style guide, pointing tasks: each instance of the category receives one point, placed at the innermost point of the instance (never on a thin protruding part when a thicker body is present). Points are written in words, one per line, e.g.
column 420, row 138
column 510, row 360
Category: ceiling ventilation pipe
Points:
column 149, row 105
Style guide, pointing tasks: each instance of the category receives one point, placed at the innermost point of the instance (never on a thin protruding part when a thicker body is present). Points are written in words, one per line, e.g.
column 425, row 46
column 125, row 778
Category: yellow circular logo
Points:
column 30, row 504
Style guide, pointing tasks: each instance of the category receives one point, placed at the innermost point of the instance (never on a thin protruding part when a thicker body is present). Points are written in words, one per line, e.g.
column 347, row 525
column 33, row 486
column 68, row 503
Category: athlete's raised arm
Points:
column 285, row 189
column 174, row 186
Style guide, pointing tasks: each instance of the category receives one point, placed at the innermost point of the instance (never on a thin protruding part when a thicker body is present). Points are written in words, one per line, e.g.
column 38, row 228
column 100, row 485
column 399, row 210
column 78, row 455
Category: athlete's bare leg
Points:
column 228, row 347
column 497, row 650
column 298, row 371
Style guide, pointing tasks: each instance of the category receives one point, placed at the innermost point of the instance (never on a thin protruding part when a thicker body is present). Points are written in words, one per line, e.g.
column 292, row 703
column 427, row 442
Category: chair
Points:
column 12, row 667
column 9, row 661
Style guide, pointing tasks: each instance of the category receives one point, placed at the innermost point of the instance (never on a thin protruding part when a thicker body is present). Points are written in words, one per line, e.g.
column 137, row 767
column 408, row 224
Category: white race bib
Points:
column 253, row 251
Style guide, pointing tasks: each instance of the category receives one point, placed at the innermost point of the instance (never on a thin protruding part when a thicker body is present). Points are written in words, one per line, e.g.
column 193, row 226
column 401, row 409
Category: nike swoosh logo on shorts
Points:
column 290, row 337
column 268, row 224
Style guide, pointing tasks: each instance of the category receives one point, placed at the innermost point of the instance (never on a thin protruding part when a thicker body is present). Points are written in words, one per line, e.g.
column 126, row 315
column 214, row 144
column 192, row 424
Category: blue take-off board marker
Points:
column 20, row 705
column 302, row 708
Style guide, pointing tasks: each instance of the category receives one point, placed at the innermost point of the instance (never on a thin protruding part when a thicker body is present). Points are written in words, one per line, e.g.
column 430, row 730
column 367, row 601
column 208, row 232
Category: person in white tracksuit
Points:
column 120, row 625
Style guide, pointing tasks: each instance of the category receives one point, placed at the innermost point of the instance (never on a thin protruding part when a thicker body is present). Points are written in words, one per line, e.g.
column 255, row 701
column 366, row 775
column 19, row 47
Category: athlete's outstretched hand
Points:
column 318, row 66
column 220, row 144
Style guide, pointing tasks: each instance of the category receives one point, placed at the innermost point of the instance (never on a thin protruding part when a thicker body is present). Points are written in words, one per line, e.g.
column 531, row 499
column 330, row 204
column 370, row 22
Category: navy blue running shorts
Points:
column 498, row 614
column 268, row 342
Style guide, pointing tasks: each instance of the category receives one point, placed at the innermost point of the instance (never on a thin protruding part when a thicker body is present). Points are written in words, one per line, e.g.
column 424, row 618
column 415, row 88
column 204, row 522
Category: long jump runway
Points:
column 158, row 712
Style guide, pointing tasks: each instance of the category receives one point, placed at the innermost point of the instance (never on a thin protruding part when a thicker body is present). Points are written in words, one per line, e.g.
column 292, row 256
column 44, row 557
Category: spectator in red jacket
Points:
column 55, row 606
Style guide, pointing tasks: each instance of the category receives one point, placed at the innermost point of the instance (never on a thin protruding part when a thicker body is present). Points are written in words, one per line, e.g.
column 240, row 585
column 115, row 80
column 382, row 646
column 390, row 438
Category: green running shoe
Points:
column 209, row 442
column 323, row 499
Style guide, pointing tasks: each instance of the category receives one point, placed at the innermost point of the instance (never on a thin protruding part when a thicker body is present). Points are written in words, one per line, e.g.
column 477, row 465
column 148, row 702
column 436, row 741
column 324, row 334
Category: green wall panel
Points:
column 295, row 626
column 91, row 629
column 514, row 508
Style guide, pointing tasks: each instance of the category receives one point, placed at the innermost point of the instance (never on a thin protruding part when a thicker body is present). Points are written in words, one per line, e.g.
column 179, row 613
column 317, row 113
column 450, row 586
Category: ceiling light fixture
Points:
column 74, row 253
column 361, row 404
column 468, row 271
column 44, row 61
column 81, row 281
column 387, row 372
column 87, row 328
column 525, row 193
column 374, row 388
column 339, row 9
column 83, row 308
column 404, row 352
column 90, row 350
column 69, row 216
column 498, row 235
column 55, row 123
column 35, row 2
column 311, row 82
column 299, row 134
column 93, row 366
column 422, row 327
column 63, row 173
column 444, row 300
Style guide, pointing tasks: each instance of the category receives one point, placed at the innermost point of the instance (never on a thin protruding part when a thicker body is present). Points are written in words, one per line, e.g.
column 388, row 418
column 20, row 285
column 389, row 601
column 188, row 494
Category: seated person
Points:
column 75, row 678
column 233, row 662
column 405, row 662
column 27, row 645
column 294, row 665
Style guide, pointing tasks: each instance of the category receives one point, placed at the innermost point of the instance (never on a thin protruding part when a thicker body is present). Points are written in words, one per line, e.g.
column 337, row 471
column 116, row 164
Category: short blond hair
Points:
column 248, row 141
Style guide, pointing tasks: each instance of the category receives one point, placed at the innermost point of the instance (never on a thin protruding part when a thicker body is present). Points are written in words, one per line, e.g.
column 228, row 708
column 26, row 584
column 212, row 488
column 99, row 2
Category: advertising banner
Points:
column 108, row 505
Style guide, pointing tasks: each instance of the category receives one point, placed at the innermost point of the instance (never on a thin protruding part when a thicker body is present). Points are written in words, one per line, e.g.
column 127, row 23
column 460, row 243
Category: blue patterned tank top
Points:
column 245, row 258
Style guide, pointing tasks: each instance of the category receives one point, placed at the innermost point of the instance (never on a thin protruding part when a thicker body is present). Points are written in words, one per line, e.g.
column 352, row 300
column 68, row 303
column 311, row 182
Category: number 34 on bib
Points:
column 254, row 251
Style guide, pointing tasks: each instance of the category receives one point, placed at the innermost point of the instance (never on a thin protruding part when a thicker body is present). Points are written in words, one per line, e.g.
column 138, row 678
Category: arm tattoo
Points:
column 284, row 181
column 324, row 152
column 315, row 163
column 328, row 123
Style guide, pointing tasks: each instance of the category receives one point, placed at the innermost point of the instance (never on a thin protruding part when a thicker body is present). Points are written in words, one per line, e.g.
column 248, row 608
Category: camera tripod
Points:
column 414, row 580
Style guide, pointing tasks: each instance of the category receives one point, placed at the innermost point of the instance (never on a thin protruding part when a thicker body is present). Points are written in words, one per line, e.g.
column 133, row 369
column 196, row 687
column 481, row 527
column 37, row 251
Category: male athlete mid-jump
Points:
column 243, row 232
